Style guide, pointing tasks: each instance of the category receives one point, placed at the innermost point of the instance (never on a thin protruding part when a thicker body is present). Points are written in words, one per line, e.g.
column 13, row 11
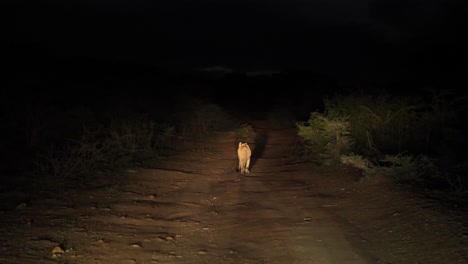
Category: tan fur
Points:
column 244, row 153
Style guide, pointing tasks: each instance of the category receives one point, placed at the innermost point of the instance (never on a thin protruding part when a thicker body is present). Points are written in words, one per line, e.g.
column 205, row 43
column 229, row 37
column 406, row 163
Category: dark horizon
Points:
column 367, row 43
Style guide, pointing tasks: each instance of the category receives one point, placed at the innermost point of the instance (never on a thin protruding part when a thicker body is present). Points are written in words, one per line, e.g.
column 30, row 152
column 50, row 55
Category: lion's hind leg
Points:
column 243, row 167
column 247, row 165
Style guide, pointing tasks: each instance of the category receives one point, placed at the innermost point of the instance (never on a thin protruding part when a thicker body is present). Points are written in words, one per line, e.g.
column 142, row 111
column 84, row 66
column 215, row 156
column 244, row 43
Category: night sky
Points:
column 360, row 42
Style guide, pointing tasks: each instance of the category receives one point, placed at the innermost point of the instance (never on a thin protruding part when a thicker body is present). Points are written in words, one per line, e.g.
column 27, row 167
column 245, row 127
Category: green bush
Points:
column 380, row 127
column 380, row 123
column 328, row 137
column 359, row 162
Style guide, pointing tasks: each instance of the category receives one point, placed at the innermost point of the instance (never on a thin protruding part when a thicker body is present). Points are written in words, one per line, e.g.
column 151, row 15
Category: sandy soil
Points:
column 195, row 207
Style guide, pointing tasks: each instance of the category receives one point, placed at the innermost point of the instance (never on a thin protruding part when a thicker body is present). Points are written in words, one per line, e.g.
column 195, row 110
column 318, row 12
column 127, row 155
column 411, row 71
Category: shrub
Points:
column 408, row 168
column 381, row 123
column 359, row 162
column 329, row 137
column 137, row 140
column 71, row 164
column 125, row 143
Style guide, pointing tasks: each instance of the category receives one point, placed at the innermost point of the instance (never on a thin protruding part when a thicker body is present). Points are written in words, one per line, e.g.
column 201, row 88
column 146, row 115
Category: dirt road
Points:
column 195, row 208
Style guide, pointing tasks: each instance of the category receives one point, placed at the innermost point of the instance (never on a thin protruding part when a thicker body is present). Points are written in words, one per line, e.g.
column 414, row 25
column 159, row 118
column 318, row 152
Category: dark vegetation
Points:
column 56, row 138
column 417, row 140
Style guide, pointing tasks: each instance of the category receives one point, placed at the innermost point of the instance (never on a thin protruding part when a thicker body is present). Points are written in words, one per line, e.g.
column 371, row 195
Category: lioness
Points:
column 244, row 153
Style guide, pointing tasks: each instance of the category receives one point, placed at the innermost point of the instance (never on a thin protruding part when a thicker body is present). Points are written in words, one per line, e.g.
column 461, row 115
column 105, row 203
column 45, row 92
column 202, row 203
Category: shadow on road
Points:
column 258, row 148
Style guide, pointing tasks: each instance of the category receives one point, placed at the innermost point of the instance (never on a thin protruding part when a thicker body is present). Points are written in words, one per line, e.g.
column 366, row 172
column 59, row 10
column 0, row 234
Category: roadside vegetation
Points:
column 418, row 141
column 54, row 149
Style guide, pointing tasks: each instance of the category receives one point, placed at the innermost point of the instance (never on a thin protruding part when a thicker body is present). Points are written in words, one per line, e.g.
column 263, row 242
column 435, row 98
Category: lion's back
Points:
column 244, row 151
